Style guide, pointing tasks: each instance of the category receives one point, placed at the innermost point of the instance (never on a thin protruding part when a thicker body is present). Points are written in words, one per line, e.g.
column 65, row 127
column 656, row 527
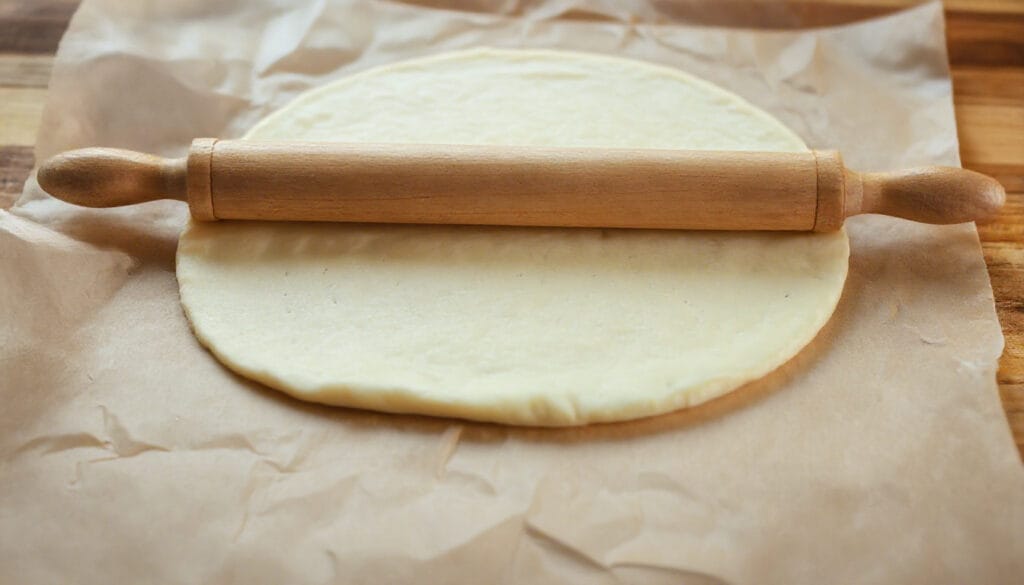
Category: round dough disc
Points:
column 513, row 325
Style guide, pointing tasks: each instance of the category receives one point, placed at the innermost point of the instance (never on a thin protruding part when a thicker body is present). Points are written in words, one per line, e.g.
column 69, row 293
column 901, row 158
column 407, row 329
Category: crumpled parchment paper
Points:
column 129, row 455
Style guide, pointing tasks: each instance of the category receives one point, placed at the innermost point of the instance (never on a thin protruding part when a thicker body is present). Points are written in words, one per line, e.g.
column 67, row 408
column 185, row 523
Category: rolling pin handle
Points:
column 935, row 195
column 110, row 177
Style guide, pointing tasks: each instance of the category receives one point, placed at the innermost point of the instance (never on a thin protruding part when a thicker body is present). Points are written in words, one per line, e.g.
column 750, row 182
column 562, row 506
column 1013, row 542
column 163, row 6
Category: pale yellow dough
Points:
column 520, row 326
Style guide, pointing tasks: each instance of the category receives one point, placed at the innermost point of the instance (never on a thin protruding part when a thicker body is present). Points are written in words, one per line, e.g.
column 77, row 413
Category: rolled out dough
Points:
column 521, row 326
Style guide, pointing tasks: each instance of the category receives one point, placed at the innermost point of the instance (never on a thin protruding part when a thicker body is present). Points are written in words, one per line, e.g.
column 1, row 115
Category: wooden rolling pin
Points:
column 526, row 186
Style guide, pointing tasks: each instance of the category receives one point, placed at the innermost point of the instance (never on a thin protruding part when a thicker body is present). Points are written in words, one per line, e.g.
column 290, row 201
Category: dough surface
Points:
column 512, row 325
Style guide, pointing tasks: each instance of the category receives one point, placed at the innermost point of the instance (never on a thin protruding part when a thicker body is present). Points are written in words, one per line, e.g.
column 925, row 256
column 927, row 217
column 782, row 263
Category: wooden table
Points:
column 986, row 50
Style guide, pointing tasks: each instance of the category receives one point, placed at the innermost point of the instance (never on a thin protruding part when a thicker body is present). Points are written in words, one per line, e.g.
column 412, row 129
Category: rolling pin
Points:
column 522, row 186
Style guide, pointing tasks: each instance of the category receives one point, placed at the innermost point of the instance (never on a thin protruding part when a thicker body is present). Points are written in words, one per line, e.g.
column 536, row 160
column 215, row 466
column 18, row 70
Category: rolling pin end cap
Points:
column 991, row 198
column 49, row 177
column 61, row 176
column 199, row 181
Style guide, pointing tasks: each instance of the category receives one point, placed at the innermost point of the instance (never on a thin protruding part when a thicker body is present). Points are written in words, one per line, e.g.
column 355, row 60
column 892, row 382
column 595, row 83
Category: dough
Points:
column 513, row 325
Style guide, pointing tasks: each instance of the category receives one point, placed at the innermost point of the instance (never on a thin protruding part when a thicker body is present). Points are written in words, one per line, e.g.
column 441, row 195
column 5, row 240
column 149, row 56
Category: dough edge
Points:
column 314, row 93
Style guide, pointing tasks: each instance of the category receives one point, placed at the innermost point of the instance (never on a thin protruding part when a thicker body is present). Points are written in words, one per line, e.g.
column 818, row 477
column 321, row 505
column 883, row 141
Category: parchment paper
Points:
column 129, row 455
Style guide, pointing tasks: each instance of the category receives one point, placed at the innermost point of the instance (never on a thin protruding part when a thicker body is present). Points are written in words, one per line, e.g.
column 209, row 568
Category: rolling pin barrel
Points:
column 524, row 186
column 407, row 183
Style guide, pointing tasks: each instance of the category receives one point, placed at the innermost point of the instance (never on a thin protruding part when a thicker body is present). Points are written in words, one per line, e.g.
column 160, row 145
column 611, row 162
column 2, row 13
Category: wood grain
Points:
column 15, row 165
column 34, row 26
column 22, row 110
column 986, row 49
column 28, row 71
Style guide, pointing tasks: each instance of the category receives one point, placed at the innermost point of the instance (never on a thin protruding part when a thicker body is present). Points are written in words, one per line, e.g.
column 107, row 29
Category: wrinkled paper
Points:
column 129, row 455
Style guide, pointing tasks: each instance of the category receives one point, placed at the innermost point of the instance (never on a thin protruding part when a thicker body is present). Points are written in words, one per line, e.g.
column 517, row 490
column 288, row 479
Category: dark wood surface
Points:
column 986, row 51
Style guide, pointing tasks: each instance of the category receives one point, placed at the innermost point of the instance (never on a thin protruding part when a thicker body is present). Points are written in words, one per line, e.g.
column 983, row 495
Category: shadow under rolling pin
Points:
column 518, row 186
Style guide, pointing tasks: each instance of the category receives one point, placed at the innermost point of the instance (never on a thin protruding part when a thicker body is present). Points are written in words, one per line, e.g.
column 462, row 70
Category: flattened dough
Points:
column 520, row 326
